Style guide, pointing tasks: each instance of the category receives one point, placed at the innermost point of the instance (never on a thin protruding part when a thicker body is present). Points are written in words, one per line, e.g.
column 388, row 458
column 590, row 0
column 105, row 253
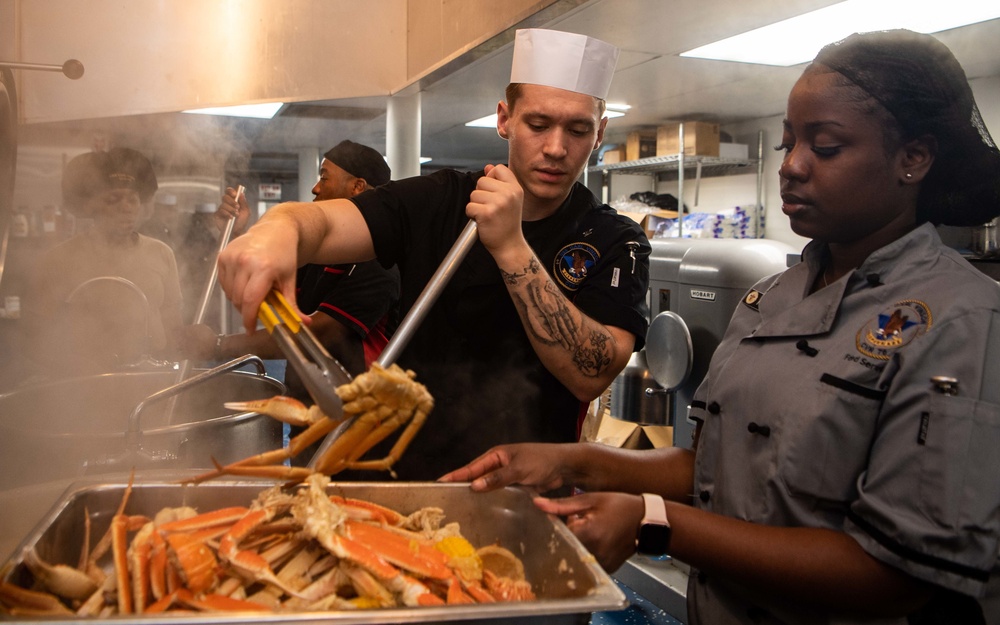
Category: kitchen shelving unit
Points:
column 675, row 166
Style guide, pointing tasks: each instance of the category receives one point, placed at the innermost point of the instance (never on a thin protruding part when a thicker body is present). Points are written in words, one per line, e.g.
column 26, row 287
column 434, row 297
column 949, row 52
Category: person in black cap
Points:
column 353, row 306
column 845, row 463
column 107, row 297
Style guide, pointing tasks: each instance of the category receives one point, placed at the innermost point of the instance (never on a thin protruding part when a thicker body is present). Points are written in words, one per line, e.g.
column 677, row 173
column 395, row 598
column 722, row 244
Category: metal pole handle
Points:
column 429, row 295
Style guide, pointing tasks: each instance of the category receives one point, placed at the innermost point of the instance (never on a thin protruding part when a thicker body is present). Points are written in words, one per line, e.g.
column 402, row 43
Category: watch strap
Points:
column 656, row 510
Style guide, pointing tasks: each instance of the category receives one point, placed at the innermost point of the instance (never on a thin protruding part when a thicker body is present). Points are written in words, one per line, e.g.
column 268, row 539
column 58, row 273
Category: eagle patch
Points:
column 893, row 328
column 573, row 263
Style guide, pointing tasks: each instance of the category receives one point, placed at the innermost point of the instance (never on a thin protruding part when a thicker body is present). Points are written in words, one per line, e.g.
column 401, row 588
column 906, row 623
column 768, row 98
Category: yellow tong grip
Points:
column 275, row 310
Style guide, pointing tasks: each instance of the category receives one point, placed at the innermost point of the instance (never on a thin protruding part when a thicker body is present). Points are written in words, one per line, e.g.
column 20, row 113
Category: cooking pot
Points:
column 111, row 422
column 636, row 397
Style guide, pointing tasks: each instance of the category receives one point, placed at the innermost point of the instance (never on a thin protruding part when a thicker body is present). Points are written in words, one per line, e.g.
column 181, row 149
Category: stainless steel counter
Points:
column 662, row 581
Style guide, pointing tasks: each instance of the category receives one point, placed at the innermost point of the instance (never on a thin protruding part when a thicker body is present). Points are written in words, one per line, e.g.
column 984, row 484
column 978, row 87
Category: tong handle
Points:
column 275, row 310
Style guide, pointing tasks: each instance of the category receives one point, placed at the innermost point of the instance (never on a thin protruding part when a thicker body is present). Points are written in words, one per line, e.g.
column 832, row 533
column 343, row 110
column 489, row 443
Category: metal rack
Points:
column 673, row 167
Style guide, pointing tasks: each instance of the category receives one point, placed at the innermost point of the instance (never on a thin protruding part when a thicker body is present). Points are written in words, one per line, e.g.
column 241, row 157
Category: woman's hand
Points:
column 606, row 523
column 540, row 465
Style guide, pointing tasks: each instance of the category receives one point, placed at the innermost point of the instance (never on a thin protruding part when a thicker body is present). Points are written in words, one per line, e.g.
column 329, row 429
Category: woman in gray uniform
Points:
column 845, row 465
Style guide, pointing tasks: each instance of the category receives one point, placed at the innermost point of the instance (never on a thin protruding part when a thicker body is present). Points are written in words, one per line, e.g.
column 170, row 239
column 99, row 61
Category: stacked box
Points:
column 640, row 144
column 616, row 155
column 700, row 139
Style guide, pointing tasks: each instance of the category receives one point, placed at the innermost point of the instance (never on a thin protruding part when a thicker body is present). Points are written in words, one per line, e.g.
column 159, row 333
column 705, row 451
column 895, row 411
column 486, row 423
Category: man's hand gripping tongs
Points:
column 320, row 373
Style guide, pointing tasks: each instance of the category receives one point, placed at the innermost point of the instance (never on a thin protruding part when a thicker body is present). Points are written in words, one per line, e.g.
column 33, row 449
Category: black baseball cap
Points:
column 360, row 161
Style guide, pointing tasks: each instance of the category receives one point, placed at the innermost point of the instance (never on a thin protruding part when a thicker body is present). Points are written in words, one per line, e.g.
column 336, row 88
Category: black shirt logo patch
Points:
column 573, row 263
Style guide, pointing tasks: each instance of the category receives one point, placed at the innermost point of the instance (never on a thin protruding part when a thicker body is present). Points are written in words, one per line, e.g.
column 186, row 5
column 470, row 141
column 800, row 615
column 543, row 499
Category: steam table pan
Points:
column 566, row 579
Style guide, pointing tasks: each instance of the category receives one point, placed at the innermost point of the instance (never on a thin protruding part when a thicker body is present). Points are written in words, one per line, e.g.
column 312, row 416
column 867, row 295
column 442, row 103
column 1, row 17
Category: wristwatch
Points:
column 654, row 529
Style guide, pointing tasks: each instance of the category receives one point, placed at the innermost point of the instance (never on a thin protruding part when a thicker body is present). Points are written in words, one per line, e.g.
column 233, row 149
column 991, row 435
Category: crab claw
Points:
column 285, row 409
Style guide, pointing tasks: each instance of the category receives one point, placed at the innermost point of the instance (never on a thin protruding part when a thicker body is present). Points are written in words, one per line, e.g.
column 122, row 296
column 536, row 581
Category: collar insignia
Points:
column 752, row 299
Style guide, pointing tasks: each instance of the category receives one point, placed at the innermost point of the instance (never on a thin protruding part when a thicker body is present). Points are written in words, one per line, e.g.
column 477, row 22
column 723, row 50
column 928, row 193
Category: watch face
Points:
column 654, row 539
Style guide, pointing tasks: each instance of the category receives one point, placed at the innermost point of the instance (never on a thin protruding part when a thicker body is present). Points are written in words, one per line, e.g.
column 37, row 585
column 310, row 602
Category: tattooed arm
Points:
column 582, row 353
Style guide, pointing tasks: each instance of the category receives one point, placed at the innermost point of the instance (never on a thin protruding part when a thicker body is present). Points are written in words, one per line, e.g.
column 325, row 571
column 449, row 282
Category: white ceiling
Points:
column 658, row 84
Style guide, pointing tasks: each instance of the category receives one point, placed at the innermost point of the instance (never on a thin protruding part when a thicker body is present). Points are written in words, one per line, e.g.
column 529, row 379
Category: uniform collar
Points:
column 794, row 311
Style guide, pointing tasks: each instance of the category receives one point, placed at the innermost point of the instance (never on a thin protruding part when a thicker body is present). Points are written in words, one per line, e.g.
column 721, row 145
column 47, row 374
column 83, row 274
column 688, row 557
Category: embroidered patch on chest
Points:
column 573, row 263
column 893, row 328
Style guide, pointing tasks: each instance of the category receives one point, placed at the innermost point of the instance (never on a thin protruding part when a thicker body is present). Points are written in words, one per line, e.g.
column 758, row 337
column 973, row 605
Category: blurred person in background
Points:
column 845, row 467
column 353, row 307
column 108, row 297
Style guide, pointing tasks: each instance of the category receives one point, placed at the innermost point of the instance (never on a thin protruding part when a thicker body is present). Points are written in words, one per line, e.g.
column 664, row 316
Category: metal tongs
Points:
column 320, row 373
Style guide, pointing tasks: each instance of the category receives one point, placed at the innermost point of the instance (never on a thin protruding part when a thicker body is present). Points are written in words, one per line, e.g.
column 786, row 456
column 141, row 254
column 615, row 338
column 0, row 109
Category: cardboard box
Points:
column 599, row 426
column 608, row 430
column 616, row 155
column 640, row 144
column 650, row 220
column 734, row 151
column 700, row 138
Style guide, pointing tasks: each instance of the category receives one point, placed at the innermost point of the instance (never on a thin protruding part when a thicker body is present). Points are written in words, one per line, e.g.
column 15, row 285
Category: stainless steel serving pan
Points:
column 567, row 580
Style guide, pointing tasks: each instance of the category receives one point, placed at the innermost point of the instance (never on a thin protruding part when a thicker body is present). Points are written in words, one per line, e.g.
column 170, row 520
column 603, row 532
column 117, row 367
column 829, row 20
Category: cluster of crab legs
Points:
column 298, row 550
column 381, row 399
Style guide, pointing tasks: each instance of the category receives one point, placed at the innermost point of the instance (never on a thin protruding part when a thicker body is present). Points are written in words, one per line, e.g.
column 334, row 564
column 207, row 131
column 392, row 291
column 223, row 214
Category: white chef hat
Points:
column 563, row 60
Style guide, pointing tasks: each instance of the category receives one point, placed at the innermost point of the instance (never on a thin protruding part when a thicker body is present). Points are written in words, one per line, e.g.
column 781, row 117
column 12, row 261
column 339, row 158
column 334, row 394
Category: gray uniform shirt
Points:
column 819, row 411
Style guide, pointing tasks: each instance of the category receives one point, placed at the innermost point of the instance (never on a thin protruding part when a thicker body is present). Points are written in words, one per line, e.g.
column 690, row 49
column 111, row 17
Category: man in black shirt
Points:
column 549, row 304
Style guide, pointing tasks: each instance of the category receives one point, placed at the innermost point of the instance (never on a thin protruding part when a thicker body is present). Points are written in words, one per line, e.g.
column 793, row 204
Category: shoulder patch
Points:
column 573, row 263
column 893, row 328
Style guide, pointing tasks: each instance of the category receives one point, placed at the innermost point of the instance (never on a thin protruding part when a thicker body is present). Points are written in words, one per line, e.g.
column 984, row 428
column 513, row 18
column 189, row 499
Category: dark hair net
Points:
column 919, row 81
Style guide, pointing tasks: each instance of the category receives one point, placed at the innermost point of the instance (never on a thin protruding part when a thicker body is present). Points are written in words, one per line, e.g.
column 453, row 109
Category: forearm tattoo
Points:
column 551, row 320
column 511, row 279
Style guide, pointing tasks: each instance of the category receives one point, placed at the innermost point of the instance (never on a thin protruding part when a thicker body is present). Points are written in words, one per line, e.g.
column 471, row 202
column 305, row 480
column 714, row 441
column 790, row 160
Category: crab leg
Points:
column 64, row 581
column 247, row 562
column 352, row 444
column 119, row 550
column 23, row 601
column 269, row 464
column 285, row 409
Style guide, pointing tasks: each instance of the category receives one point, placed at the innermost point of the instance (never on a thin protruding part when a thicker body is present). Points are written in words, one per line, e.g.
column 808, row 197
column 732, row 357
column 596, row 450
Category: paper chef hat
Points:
column 563, row 60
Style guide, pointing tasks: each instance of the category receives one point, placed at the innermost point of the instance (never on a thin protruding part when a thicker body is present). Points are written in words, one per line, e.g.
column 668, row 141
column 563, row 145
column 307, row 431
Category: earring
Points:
column 909, row 175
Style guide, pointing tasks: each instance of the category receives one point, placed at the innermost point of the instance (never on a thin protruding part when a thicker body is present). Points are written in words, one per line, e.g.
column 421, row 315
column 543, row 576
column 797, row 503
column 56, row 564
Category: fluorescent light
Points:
column 425, row 159
column 260, row 111
column 798, row 39
column 490, row 121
